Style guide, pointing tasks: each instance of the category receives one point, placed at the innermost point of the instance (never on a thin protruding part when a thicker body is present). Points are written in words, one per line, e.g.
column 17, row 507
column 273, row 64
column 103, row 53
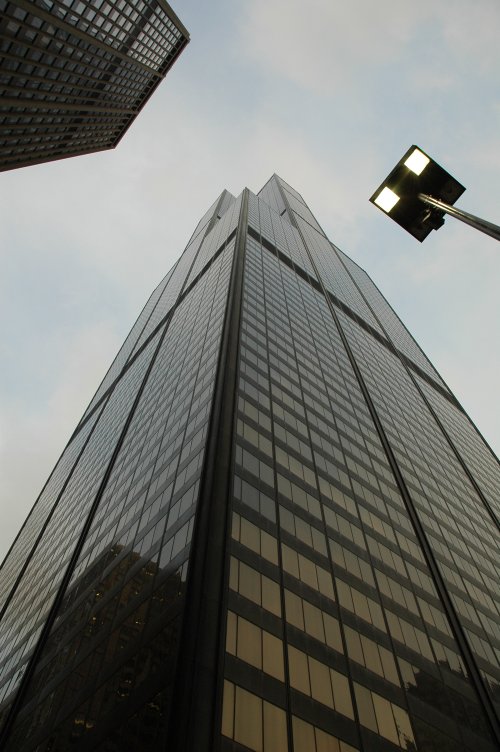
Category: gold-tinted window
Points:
column 302, row 530
column 255, row 499
column 307, row 571
column 254, row 645
column 383, row 717
column 359, row 604
column 253, row 537
column 252, row 721
column 338, row 497
column 254, row 437
column 370, row 654
column 254, row 586
column 344, row 527
column 397, row 592
column 297, row 468
column 307, row 738
column 299, row 497
column 348, row 560
column 434, row 616
column 409, row 635
column 313, row 620
column 319, row 681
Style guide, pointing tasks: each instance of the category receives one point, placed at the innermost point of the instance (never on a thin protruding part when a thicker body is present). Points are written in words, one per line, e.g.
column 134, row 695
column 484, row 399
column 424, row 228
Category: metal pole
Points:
column 480, row 224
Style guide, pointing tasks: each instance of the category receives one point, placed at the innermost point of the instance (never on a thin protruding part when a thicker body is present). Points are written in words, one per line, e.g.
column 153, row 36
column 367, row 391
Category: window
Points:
column 254, row 499
column 255, row 586
column 255, row 539
column 313, row 621
column 322, row 683
column 383, row 717
column 404, row 632
column 346, row 559
column 307, row 571
column 300, row 529
column 370, row 654
column 299, row 496
column 254, row 466
column 359, row 604
column 254, row 645
column 307, row 738
column 252, row 721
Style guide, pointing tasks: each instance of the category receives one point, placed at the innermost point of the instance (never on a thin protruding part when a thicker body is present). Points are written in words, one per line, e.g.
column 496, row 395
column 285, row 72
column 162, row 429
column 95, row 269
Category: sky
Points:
column 329, row 96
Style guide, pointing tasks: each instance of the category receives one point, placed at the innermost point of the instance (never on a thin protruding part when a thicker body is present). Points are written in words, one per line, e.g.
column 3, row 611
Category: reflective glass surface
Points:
column 357, row 605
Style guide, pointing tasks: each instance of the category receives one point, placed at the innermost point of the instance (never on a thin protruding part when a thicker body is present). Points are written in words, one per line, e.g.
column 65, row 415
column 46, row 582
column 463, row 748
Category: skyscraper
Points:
column 274, row 528
column 74, row 74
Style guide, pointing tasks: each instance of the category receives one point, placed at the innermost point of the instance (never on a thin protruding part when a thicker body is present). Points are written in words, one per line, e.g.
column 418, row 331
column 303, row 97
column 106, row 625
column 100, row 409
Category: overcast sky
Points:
column 329, row 96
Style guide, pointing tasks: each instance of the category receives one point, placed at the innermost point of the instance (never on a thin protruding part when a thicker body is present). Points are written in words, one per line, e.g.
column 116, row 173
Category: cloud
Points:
column 32, row 439
column 328, row 50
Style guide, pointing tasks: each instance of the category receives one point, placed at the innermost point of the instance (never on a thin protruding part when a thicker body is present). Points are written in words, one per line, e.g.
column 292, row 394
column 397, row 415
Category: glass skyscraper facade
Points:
column 74, row 74
column 274, row 529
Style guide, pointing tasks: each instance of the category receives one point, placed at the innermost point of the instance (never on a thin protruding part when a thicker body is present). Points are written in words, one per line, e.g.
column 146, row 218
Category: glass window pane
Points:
column 321, row 688
column 332, row 633
column 228, row 710
column 290, row 561
column 269, row 547
column 385, row 718
column 272, row 649
column 249, row 646
column 236, row 526
column 249, row 583
column 365, row 708
column 341, row 694
column 372, row 657
column 325, row 583
column 389, row 666
column 233, row 574
column 303, row 736
column 231, row 633
column 299, row 674
column 293, row 605
column 354, row 646
column 250, row 535
column 275, row 735
column 403, row 726
column 308, row 572
column 248, row 720
column 271, row 596
column 325, row 742
column 313, row 622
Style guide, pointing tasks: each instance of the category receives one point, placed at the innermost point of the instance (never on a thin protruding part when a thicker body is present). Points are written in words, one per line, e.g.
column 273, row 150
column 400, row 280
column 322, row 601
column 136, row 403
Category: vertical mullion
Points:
column 196, row 701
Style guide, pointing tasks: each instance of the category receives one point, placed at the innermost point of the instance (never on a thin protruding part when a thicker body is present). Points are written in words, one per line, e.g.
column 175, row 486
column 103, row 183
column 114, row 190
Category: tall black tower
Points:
column 74, row 74
column 274, row 529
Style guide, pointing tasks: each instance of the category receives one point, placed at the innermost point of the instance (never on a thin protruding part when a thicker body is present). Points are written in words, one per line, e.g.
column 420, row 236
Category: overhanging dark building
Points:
column 74, row 74
column 274, row 528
